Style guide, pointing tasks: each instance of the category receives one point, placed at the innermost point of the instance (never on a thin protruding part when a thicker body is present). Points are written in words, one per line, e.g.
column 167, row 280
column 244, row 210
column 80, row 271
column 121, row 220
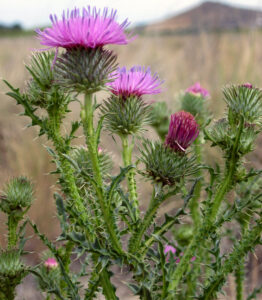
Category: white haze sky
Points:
column 33, row 13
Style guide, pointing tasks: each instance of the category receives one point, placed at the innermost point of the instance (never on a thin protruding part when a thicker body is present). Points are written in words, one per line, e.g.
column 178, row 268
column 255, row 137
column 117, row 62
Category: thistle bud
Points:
column 183, row 130
column 18, row 195
column 164, row 165
column 243, row 100
column 12, row 271
column 194, row 100
column 51, row 263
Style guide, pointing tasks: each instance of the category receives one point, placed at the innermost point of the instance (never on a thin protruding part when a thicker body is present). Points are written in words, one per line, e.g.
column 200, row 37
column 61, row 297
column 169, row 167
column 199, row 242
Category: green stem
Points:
column 240, row 271
column 134, row 243
column 12, row 224
column 194, row 205
column 108, row 289
column 91, row 140
column 127, row 159
column 247, row 243
column 67, row 170
column 205, row 229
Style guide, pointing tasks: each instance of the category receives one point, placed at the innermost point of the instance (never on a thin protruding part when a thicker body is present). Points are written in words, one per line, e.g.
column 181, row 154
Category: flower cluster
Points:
column 183, row 130
column 90, row 28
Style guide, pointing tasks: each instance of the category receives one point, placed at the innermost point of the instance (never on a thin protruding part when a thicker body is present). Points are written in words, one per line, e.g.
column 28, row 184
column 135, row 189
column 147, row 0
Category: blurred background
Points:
column 215, row 43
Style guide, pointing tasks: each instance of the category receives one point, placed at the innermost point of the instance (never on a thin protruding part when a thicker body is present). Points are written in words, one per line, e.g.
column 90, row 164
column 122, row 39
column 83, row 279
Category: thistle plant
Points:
column 100, row 211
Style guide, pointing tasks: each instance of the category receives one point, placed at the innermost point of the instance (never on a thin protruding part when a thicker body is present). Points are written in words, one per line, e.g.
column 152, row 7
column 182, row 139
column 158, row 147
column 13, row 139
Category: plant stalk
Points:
column 127, row 159
column 205, row 229
column 91, row 140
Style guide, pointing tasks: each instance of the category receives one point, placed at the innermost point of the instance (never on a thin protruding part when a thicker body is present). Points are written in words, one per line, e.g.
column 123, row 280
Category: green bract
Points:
column 18, row 195
column 223, row 135
column 126, row 116
column 12, row 271
column 43, row 90
column 245, row 102
column 84, row 70
column 164, row 165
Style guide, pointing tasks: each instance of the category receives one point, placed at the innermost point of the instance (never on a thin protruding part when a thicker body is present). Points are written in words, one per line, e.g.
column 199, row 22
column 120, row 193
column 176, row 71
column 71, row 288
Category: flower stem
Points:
column 91, row 140
column 240, row 271
column 12, row 224
column 194, row 206
column 127, row 159
column 205, row 229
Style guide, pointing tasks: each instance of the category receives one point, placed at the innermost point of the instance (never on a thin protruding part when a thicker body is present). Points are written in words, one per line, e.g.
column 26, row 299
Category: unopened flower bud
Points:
column 183, row 130
column 51, row 263
column 18, row 194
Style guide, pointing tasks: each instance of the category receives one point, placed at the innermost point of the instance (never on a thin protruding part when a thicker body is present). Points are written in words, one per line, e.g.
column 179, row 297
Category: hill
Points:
column 209, row 16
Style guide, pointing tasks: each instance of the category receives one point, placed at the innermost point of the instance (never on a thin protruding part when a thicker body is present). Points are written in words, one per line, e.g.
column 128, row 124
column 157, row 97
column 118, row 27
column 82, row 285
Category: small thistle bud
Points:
column 12, row 271
column 243, row 100
column 51, row 263
column 85, row 70
column 42, row 90
column 183, row 130
column 193, row 101
column 197, row 90
column 184, row 234
column 18, row 195
column 164, row 165
column 169, row 250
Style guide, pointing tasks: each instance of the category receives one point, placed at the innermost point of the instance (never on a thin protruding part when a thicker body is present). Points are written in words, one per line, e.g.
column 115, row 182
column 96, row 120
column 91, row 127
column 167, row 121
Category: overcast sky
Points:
column 33, row 13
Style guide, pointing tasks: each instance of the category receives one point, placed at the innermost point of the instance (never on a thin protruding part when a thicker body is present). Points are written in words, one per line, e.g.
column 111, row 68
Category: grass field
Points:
column 213, row 59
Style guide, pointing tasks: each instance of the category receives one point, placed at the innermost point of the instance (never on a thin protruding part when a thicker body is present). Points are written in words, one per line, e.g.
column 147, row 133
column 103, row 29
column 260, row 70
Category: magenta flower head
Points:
column 183, row 130
column 169, row 249
column 247, row 85
column 51, row 263
column 87, row 28
column 137, row 81
column 197, row 90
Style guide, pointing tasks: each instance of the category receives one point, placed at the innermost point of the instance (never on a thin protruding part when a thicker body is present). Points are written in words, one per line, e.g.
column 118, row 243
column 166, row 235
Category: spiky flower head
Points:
column 183, row 130
column 243, row 101
column 51, row 263
column 18, row 195
column 198, row 90
column 88, row 28
column 12, row 271
column 164, row 165
column 137, row 81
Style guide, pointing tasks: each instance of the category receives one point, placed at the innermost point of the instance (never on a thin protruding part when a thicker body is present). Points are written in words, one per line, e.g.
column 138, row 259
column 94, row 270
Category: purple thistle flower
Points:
column 196, row 89
column 248, row 85
column 90, row 28
column 137, row 81
column 169, row 248
column 183, row 130
column 51, row 263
